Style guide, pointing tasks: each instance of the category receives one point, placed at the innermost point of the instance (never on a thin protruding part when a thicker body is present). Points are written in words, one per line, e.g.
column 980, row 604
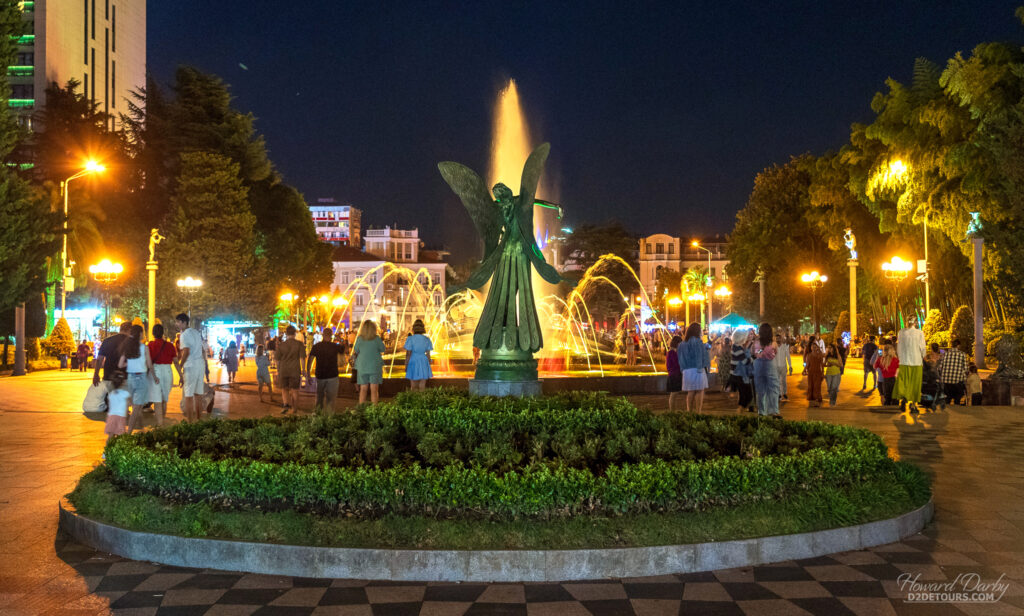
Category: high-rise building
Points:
column 99, row 43
column 336, row 223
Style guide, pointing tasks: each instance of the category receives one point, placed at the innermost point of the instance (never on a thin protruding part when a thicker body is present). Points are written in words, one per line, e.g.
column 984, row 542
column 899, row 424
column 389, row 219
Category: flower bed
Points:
column 445, row 453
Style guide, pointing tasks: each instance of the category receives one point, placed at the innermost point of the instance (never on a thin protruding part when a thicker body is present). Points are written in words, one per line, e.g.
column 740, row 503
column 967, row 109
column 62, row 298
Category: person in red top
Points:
column 888, row 363
column 163, row 354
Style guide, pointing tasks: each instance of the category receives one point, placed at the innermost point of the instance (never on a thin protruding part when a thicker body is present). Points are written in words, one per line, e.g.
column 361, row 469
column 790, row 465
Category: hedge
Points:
column 547, row 487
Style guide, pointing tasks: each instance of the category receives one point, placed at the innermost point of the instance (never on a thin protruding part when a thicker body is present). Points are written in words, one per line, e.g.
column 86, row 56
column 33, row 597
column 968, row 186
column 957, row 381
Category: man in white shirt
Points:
column 910, row 349
column 191, row 365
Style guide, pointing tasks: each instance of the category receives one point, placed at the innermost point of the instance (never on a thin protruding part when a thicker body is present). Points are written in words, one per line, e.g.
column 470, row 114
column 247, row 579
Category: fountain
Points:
column 575, row 352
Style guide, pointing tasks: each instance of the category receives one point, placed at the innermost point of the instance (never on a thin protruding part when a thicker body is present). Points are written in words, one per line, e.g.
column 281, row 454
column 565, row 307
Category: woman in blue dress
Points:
column 231, row 361
column 417, row 357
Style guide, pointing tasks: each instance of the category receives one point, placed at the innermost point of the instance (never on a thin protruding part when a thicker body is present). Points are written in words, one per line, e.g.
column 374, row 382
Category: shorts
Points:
column 369, row 378
column 138, row 384
column 289, row 382
column 161, row 392
column 194, row 380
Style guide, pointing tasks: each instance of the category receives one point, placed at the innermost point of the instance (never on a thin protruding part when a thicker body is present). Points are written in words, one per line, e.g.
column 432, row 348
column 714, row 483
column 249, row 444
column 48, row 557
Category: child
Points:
column 117, row 406
column 263, row 373
column 973, row 384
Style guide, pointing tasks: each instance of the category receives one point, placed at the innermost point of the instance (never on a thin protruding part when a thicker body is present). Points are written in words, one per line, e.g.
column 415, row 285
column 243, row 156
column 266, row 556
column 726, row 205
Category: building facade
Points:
column 99, row 43
column 336, row 223
column 660, row 251
column 395, row 245
column 393, row 292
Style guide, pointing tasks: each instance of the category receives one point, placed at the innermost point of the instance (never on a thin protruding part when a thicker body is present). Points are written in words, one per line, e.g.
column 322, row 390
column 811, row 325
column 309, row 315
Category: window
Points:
column 22, row 90
column 437, row 278
column 671, row 249
column 25, row 58
column 373, row 278
column 113, row 83
column 106, row 70
column 649, row 249
column 85, row 32
column 92, row 94
column 437, row 299
column 360, row 299
column 344, row 277
column 359, row 274
column 113, row 31
column 94, row 29
column 659, row 248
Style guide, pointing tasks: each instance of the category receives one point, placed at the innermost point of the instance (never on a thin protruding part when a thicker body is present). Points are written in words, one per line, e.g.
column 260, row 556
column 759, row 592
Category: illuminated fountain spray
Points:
column 572, row 343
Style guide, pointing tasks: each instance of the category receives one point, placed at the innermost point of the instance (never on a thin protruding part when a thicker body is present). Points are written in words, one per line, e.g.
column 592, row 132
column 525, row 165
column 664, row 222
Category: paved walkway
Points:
column 974, row 454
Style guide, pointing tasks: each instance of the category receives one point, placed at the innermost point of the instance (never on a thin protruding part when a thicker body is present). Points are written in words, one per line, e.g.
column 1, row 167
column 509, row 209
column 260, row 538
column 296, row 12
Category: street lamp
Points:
column 815, row 281
column 189, row 285
column 697, row 245
column 697, row 297
column 896, row 270
column 91, row 166
column 899, row 169
column 674, row 301
column 105, row 273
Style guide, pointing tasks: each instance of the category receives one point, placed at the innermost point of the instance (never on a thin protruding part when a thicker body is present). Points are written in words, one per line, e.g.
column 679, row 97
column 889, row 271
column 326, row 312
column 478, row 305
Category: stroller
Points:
column 932, row 394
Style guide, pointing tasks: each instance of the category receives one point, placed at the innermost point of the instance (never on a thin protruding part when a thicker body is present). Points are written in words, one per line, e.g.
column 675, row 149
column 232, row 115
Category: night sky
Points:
column 659, row 114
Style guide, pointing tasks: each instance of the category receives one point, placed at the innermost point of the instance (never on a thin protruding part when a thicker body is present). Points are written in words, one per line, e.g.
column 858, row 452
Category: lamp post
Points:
column 105, row 273
column 289, row 298
column 90, row 167
column 815, row 281
column 189, row 285
column 698, row 297
column 676, row 302
column 697, row 245
column 902, row 170
column 722, row 293
column 897, row 270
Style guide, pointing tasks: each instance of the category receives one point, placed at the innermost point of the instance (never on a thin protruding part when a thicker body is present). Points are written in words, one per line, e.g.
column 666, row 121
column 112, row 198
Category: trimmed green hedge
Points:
column 446, row 453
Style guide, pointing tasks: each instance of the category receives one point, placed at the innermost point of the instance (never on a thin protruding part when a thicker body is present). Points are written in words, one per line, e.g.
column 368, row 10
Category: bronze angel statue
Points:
column 509, row 320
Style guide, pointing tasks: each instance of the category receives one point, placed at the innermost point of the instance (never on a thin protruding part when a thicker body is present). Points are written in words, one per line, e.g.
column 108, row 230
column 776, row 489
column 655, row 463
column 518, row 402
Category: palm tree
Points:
column 696, row 279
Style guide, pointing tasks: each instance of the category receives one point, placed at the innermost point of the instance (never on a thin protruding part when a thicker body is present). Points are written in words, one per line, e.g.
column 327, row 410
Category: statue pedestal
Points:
column 505, row 372
column 520, row 389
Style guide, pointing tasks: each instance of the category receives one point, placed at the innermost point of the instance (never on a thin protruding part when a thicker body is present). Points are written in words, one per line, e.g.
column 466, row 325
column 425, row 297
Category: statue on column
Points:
column 154, row 239
column 851, row 243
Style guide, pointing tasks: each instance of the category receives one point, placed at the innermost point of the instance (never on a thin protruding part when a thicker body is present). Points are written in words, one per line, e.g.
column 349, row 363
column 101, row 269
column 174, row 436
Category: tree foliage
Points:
column 60, row 341
column 962, row 328
column 586, row 249
column 212, row 237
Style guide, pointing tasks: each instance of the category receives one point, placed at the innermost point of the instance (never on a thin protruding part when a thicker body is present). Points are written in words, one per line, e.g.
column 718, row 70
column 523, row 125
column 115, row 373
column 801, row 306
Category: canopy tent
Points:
column 730, row 321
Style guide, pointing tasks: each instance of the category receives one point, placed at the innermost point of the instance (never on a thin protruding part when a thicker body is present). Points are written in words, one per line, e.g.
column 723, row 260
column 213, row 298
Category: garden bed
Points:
column 448, row 454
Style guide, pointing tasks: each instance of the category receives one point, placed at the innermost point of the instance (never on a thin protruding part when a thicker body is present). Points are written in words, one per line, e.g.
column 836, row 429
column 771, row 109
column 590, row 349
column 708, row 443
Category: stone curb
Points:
column 483, row 565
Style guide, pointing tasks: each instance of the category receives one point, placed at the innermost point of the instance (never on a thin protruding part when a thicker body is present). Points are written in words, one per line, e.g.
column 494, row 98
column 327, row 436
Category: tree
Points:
column 962, row 328
column 776, row 233
column 28, row 235
column 286, row 238
column 608, row 254
column 212, row 236
column 934, row 324
column 668, row 284
column 60, row 341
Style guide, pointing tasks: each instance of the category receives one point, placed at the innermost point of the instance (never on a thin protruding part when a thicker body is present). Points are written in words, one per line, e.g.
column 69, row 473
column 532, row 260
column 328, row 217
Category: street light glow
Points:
column 339, row 301
column 287, row 297
column 675, row 301
column 94, row 167
column 105, row 271
column 723, row 292
column 189, row 283
column 814, row 278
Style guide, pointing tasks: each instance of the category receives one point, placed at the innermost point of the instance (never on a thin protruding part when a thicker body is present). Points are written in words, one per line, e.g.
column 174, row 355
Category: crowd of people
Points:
column 137, row 374
column 753, row 366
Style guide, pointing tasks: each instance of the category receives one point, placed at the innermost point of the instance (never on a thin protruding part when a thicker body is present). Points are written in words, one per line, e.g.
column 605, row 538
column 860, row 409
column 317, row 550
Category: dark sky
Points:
column 659, row 114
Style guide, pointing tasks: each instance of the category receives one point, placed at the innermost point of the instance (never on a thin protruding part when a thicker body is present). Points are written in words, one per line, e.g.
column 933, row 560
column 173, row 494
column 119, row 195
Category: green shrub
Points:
column 60, row 341
column 962, row 327
column 934, row 326
column 32, row 349
column 447, row 453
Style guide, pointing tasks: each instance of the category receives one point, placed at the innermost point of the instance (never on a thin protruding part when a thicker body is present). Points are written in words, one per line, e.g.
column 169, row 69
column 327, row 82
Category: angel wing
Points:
column 474, row 195
column 532, row 170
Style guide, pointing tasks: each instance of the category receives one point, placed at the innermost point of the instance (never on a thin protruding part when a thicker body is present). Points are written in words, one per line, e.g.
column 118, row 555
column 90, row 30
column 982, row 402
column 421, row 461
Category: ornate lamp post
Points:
column 105, row 273
column 697, row 245
column 896, row 270
column 697, row 297
column 189, row 285
column 289, row 298
column 90, row 167
column 722, row 293
column 675, row 302
column 815, row 281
